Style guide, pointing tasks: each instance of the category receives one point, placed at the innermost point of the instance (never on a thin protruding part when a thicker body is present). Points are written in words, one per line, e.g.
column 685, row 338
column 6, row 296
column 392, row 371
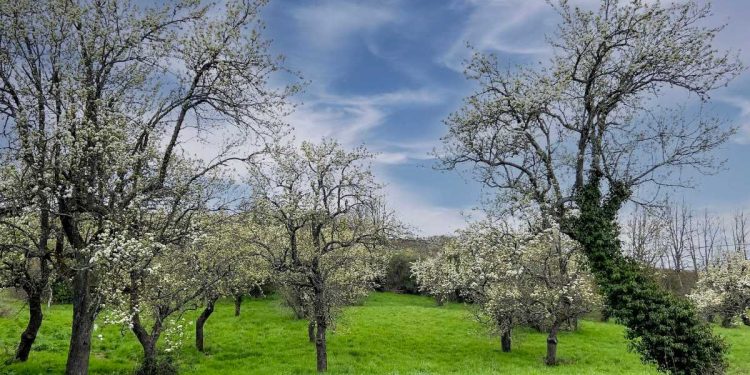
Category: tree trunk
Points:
column 149, row 366
column 505, row 341
column 201, row 322
column 32, row 328
column 552, row 347
column 311, row 331
column 320, row 344
column 745, row 319
column 148, row 343
column 84, row 313
column 237, row 304
column 726, row 321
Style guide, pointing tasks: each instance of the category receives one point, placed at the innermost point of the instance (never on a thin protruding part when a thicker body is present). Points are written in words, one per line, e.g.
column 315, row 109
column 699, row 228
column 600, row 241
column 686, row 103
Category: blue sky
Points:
column 386, row 72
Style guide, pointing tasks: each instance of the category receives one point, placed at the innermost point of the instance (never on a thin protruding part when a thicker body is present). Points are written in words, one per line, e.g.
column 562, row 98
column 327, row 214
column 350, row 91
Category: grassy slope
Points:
column 389, row 334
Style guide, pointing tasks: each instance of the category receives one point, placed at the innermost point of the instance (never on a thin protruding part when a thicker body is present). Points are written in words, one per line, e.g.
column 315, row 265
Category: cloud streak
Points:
column 350, row 119
column 503, row 26
column 332, row 24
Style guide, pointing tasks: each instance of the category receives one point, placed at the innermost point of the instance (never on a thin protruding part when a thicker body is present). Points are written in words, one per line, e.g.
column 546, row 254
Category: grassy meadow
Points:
column 388, row 334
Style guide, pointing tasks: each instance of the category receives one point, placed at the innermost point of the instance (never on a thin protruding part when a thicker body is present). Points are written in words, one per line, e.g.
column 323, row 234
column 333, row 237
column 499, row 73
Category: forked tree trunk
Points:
column 551, row 358
column 505, row 341
column 311, row 331
column 200, row 322
column 32, row 328
column 237, row 304
column 84, row 313
column 148, row 343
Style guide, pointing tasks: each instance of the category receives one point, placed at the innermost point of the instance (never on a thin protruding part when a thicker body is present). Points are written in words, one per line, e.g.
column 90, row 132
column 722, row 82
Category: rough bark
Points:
column 32, row 328
column 505, row 341
column 84, row 313
column 237, row 304
column 320, row 311
column 551, row 358
column 320, row 344
column 200, row 322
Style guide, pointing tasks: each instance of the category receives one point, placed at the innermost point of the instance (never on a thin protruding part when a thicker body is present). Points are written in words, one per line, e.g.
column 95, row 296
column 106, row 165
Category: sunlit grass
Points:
column 388, row 334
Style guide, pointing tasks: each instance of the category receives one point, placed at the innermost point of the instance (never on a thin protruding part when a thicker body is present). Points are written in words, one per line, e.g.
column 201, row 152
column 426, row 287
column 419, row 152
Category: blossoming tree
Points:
column 325, row 223
column 99, row 99
column 724, row 289
column 579, row 136
column 513, row 278
column 233, row 263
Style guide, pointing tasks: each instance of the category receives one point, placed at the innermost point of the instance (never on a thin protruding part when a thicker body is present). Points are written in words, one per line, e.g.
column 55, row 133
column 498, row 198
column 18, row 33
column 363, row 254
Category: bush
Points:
column 62, row 291
column 398, row 277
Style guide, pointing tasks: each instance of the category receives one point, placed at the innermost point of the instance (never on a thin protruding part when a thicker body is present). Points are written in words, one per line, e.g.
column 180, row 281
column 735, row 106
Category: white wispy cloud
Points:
column 500, row 26
column 350, row 119
column 332, row 23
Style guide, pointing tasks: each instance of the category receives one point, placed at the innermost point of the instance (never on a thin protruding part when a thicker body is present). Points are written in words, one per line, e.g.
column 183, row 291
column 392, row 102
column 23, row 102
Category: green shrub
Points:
column 62, row 291
column 398, row 277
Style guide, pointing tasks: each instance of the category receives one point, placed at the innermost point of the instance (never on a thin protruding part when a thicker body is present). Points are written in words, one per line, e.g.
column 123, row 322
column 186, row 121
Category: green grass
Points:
column 388, row 334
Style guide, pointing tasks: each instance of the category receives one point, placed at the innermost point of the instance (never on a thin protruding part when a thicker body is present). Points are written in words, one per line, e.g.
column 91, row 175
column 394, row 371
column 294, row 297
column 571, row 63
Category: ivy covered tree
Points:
column 98, row 101
column 324, row 227
column 513, row 277
column 579, row 136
